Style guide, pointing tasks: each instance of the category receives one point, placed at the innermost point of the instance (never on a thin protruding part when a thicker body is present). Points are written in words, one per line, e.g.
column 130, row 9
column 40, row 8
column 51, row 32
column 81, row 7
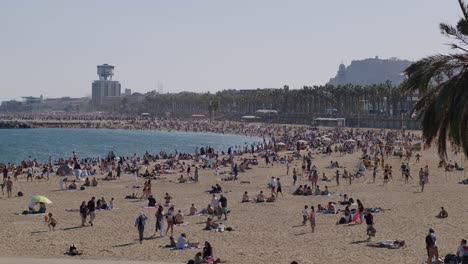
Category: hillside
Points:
column 371, row 71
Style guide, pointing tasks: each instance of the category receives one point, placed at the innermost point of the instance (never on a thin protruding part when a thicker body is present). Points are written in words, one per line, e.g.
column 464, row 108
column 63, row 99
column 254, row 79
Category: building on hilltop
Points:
column 371, row 71
column 105, row 90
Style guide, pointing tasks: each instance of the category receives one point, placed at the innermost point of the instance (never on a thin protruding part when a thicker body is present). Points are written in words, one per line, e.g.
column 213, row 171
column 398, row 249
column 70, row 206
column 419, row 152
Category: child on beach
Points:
column 52, row 222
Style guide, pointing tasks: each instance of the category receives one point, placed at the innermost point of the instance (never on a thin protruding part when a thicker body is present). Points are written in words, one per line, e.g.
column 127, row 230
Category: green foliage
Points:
column 443, row 82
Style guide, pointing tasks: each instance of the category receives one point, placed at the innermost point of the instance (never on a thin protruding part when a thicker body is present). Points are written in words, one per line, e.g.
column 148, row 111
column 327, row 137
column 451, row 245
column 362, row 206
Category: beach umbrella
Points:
column 351, row 141
column 41, row 199
column 281, row 144
column 302, row 141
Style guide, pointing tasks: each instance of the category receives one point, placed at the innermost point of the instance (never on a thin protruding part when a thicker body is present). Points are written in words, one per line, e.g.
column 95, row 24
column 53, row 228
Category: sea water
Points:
column 20, row 144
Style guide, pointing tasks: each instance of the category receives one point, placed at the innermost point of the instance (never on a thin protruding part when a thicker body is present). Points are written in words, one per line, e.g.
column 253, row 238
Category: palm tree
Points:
column 443, row 83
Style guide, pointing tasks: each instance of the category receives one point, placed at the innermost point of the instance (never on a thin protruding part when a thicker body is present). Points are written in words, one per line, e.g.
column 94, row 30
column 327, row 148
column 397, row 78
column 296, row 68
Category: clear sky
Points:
column 52, row 47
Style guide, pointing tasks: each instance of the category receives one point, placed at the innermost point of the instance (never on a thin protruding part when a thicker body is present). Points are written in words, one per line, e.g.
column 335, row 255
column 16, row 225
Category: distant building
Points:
column 105, row 90
column 32, row 99
column 127, row 92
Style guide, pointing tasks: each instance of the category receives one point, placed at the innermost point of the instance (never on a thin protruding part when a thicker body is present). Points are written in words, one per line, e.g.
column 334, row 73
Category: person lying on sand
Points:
column 73, row 251
column 132, row 196
column 210, row 224
column 391, row 244
column 298, row 191
column 271, row 199
column 72, row 185
column 443, row 213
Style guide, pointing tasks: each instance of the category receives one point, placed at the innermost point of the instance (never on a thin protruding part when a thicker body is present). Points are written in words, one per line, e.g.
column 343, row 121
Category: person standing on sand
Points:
column 9, row 187
column 83, row 213
column 337, row 178
column 91, row 210
column 312, row 218
column 305, row 214
column 360, row 210
column 273, row 185
column 370, row 224
column 421, row 179
column 140, row 224
column 159, row 221
column 223, row 209
column 195, row 175
column 279, row 187
column 431, row 247
column 294, row 176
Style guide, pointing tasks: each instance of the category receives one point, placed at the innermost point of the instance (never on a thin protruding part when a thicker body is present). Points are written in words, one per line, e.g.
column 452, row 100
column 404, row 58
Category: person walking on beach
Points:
column 421, row 179
column 312, row 218
column 195, row 175
column 337, row 178
column 279, row 187
column 462, row 253
column 9, row 187
column 360, row 210
column 83, row 213
column 294, row 176
column 170, row 218
column 140, row 224
column 159, row 221
column 431, row 247
column 223, row 202
column 273, row 185
column 305, row 214
column 5, row 173
column 30, row 173
column 370, row 224
column 92, row 210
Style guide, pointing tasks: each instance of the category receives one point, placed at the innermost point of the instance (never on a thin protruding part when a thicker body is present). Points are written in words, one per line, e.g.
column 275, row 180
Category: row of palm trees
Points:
column 383, row 99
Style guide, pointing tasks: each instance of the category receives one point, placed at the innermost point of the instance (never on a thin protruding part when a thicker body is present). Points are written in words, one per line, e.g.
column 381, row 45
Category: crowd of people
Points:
column 286, row 146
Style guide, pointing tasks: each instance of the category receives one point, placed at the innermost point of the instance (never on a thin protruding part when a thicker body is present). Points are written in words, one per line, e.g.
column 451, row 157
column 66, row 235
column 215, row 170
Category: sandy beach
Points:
column 263, row 233
column 6, row 260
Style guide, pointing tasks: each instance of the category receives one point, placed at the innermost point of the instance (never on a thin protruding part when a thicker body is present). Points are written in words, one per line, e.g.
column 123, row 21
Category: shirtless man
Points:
column 193, row 210
column 9, row 186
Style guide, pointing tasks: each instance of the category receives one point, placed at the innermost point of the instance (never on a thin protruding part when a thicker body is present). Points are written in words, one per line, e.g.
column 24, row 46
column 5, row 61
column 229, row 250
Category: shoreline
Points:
column 125, row 125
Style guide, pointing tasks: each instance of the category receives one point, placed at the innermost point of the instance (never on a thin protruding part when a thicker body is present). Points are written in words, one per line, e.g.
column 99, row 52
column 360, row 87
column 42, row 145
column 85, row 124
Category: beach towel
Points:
column 187, row 248
column 183, row 224
column 27, row 214
column 197, row 214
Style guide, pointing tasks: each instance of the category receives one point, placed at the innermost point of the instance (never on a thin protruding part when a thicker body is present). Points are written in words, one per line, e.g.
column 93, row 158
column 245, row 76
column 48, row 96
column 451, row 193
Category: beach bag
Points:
column 82, row 188
column 20, row 194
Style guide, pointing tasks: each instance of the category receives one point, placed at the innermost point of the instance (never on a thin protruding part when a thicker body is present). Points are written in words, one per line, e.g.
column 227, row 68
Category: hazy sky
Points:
column 52, row 47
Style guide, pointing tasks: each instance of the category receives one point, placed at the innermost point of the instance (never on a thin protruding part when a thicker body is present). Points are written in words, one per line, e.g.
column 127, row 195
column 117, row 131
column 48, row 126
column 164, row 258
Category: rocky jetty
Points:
column 13, row 124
